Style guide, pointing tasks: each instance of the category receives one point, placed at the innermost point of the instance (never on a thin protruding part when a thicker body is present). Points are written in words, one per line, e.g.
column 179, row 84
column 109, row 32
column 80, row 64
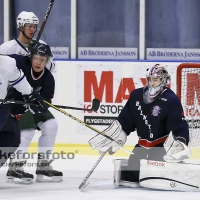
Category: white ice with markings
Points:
column 74, row 171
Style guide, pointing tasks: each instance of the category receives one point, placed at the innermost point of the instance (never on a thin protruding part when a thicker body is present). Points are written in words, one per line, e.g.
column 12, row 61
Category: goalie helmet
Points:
column 41, row 49
column 157, row 79
column 26, row 18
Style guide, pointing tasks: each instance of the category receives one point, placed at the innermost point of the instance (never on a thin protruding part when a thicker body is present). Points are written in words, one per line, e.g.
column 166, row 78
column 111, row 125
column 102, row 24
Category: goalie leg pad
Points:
column 169, row 176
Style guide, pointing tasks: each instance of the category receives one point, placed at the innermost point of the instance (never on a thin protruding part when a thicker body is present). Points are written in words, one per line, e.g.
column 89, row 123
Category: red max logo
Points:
column 105, row 86
column 193, row 83
column 155, row 163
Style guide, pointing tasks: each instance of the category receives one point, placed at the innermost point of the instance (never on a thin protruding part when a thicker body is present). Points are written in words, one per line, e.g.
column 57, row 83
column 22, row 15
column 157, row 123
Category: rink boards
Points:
column 78, row 82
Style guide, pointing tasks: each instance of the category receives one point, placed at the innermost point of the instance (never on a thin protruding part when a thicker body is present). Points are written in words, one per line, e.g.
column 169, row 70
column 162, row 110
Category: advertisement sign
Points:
column 172, row 54
column 107, row 53
column 60, row 52
column 190, row 93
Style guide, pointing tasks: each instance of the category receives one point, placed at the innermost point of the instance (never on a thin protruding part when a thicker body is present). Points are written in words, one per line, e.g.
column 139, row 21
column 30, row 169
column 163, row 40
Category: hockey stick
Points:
column 87, row 125
column 5, row 101
column 95, row 104
column 83, row 184
column 45, row 19
column 33, row 41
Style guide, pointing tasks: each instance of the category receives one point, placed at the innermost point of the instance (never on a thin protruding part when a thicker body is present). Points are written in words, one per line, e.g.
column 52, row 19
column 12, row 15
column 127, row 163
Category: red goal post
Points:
column 188, row 90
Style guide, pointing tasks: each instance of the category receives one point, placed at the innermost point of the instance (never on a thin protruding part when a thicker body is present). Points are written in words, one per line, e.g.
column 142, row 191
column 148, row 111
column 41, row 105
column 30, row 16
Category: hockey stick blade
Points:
column 95, row 106
column 87, row 125
column 81, row 187
column 84, row 184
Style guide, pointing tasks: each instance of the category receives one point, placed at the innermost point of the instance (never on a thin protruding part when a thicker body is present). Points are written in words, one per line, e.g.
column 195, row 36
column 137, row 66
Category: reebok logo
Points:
column 156, row 163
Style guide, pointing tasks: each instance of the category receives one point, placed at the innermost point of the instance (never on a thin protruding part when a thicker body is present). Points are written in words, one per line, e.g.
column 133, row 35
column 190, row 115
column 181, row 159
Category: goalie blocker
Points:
column 103, row 144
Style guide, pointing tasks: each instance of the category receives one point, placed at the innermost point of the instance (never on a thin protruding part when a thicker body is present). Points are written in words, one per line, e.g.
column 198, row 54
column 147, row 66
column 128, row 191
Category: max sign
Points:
column 111, row 102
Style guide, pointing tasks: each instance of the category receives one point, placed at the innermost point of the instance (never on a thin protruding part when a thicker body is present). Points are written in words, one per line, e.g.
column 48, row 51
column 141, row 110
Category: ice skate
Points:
column 46, row 173
column 16, row 171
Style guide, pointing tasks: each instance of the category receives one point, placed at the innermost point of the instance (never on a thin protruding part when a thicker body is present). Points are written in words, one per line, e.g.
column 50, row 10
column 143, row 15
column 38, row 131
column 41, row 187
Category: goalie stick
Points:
column 87, row 125
column 83, row 184
column 95, row 104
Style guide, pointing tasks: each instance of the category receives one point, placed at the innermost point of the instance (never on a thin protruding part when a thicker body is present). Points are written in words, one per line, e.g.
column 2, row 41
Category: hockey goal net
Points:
column 188, row 90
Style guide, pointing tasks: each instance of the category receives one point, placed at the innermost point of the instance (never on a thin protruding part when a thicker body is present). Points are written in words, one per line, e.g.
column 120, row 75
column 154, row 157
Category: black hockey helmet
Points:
column 41, row 49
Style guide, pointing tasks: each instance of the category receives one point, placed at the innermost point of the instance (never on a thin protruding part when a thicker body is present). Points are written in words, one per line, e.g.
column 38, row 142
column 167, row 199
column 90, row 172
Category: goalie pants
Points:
column 9, row 134
column 132, row 171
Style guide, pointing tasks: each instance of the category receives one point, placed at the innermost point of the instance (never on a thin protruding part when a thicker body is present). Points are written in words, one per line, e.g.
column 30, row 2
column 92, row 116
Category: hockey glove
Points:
column 31, row 44
column 35, row 97
column 176, row 151
column 102, row 144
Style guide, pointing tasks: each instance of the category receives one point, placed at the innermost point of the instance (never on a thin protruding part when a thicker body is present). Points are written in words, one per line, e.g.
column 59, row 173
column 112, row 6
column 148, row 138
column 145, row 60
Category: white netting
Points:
column 188, row 87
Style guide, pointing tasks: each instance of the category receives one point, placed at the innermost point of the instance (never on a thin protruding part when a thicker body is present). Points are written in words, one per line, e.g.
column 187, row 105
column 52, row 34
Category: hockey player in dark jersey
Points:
column 154, row 112
column 41, row 79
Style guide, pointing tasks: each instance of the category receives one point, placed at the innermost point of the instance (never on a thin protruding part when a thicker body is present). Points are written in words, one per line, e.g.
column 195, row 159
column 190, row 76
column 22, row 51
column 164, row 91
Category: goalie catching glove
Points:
column 176, row 151
column 102, row 144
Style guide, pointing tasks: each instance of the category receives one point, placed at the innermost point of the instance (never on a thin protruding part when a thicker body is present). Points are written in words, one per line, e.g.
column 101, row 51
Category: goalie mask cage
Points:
column 188, row 90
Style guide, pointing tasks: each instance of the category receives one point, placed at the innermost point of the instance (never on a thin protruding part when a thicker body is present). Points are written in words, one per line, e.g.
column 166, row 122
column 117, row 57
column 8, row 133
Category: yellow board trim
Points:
column 80, row 149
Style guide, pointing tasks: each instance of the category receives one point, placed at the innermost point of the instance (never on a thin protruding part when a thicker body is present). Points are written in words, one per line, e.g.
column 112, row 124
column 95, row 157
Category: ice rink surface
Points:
column 74, row 171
